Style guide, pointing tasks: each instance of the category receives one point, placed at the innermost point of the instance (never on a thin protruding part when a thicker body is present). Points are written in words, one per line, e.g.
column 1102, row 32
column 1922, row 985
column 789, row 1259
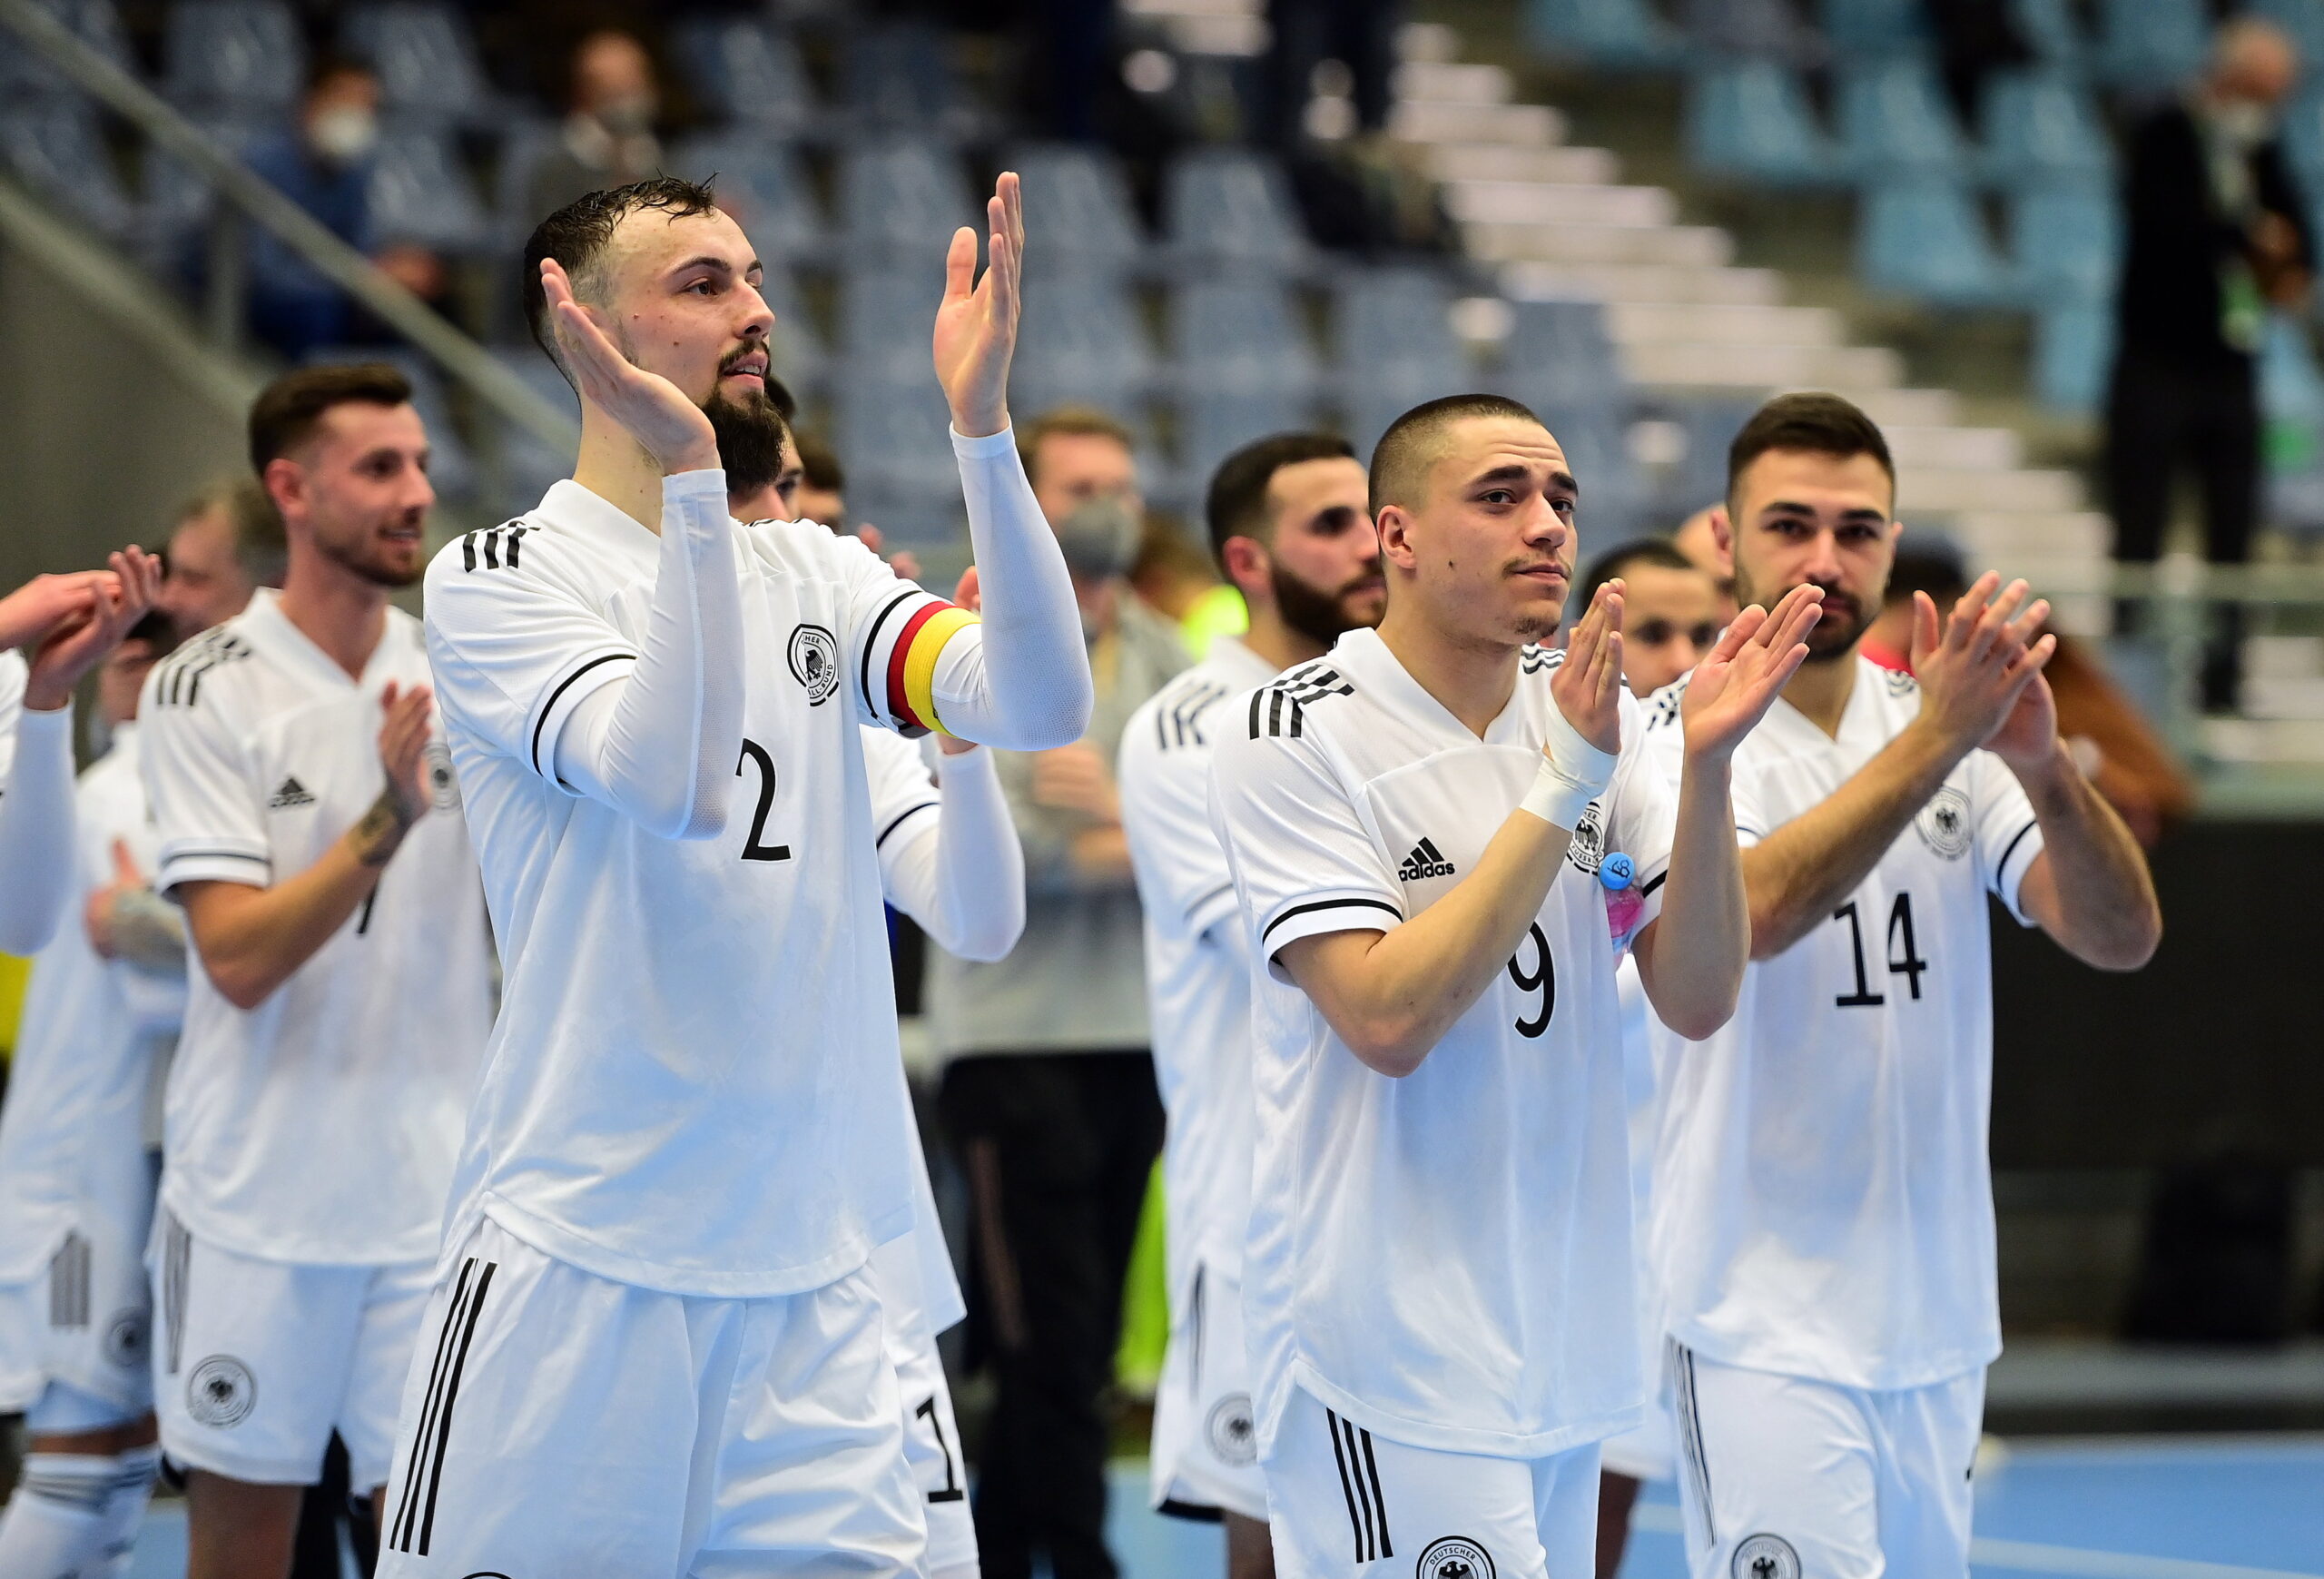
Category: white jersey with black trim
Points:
column 694, row 1084
column 73, row 1126
column 1822, row 1197
column 1446, row 1259
column 320, row 1127
column 1197, row 973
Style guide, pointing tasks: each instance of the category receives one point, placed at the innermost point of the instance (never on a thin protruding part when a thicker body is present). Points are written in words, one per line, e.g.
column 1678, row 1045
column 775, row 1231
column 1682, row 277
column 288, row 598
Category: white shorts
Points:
column 257, row 1363
column 1340, row 1502
column 1784, row 1476
column 83, row 1322
column 933, row 1449
column 1205, row 1454
column 560, row 1423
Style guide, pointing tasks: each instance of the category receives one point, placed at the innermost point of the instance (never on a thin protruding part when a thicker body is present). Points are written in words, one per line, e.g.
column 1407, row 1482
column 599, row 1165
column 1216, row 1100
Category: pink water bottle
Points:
column 1617, row 875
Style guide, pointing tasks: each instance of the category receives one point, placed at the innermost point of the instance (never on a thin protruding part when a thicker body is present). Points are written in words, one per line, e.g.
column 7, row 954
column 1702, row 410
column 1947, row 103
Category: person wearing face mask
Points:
column 2216, row 238
column 1048, row 1094
column 607, row 140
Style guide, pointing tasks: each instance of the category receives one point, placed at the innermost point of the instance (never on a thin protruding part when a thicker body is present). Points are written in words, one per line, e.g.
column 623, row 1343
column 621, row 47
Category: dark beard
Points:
column 1320, row 616
column 750, row 441
column 378, row 573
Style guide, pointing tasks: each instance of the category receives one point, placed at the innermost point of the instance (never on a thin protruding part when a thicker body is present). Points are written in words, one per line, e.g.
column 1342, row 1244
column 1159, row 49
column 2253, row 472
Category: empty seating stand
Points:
column 1088, row 224
column 1395, row 347
column 1227, row 209
column 1750, row 120
column 1618, row 35
column 748, row 72
column 758, row 181
column 426, row 61
column 242, row 56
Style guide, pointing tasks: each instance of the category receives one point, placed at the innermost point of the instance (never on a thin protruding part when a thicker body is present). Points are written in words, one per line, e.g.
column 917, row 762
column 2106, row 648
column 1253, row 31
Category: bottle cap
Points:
column 1616, row 872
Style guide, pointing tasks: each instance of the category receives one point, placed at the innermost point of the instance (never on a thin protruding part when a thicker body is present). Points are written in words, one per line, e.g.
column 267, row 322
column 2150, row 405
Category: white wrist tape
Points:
column 1573, row 773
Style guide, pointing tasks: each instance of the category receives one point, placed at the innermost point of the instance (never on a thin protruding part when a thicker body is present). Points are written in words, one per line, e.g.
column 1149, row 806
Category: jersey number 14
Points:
column 1900, row 935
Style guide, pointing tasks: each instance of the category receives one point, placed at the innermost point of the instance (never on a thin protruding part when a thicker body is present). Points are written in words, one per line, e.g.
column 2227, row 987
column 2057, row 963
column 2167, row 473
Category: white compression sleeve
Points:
column 963, row 880
column 36, row 832
column 1021, row 678
column 652, row 743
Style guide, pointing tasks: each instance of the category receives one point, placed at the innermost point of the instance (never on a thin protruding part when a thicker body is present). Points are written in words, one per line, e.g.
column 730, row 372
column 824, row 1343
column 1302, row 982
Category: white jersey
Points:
column 1197, row 977
column 14, row 672
column 320, row 1127
column 1444, row 1259
column 1823, row 1202
column 72, row 1131
column 695, row 1084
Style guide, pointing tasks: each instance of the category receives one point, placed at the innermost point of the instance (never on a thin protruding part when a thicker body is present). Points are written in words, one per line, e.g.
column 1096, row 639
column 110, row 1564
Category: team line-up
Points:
column 1575, row 1069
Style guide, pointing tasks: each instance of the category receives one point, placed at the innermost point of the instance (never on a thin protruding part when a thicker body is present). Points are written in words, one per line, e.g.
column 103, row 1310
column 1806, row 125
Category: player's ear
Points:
column 1246, row 562
column 285, row 481
column 1395, row 524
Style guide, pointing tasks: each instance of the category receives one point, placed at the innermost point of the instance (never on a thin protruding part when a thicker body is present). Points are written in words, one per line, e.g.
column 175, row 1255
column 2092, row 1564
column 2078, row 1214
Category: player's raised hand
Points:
column 46, row 603
column 2028, row 736
column 404, row 725
column 1972, row 667
column 1588, row 686
column 976, row 326
column 118, row 598
column 667, row 426
column 1741, row 679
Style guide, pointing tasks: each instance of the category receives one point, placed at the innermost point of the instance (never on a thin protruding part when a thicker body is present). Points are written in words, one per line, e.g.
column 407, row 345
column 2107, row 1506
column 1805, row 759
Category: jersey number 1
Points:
column 1900, row 931
column 754, row 848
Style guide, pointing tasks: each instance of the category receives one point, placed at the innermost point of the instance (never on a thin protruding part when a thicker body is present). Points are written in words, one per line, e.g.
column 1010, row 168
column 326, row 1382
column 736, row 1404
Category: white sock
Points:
column 124, row 1514
column 54, row 1526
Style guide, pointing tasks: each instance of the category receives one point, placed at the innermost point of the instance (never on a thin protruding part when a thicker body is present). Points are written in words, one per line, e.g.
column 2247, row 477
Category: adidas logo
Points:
column 1426, row 860
column 290, row 793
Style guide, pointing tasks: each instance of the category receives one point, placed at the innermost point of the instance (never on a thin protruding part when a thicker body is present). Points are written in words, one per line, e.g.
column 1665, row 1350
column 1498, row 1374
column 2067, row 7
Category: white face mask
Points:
column 344, row 134
column 629, row 114
column 2245, row 123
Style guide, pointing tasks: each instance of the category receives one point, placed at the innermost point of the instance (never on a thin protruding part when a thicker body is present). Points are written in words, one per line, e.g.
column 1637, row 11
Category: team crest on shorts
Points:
column 1233, row 1437
column 1588, row 846
column 1943, row 823
column 125, row 1339
column 1764, row 1557
column 443, row 784
column 814, row 662
column 1455, row 1557
column 221, row 1392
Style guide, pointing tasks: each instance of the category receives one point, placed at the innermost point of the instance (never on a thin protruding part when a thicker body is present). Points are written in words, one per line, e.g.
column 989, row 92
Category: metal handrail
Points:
column 461, row 358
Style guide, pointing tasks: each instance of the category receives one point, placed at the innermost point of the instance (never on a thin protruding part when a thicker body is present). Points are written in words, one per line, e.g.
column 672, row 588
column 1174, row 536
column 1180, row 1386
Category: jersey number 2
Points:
column 1542, row 979
column 755, row 848
column 1900, row 931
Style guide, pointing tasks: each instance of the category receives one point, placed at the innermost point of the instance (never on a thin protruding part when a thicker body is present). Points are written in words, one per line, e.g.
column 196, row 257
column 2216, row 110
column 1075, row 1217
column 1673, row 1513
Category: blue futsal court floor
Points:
column 2234, row 1507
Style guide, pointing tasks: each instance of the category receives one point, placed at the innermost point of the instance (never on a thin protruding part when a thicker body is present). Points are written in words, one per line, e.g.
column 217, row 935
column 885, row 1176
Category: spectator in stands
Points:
column 324, row 165
column 607, row 139
column 227, row 543
column 1047, row 1093
column 2218, row 235
column 1361, row 35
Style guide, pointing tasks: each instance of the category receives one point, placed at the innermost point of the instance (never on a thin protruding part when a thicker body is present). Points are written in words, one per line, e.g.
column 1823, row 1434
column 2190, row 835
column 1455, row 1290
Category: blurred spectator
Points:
column 1975, row 38
column 227, row 543
column 2218, row 235
column 1170, row 573
column 607, row 139
column 1672, row 610
column 1361, row 35
column 1048, row 1094
column 324, row 165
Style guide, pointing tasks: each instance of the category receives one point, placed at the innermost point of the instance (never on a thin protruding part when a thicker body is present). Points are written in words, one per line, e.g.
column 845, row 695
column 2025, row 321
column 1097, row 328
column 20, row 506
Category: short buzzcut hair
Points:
column 260, row 549
column 577, row 235
column 1070, row 421
column 1399, row 462
column 1814, row 421
column 1237, row 505
column 1619, row 560
column 286, row 411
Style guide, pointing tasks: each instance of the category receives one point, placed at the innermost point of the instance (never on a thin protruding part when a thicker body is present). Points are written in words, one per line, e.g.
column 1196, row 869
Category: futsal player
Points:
column 1290, row 527
column 1429, row 830
column 693, row 1131
column 1823, row 1223
column 76, row 1187
column 312, row 833
column 67, row 623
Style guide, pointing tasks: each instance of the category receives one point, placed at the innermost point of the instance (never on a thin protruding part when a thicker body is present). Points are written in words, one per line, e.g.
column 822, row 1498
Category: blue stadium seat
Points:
column 1926, row 239
column 1214, row 427
column 244, row 55
column 177, row 201
column 900, row 201
column 1393, row 347
column 2040, row 128
column 424, row 58
column 56, row 147
column 2057, row 39
column 2303, row 136
column 1082, row 342
column 1079, row 215
column 1560, row 353
column 1896, row 120
column 761, row 183
column 420, row 192
column 24, row 71
column 2150, row 44
column 747, row 71
column 1622, row 34
column 2066, row 242
column 894, row 439
column 1771, row 29
column 1229, row 208
column 451, row 466
column 899, row 77
column 2074, row 354
column 529, row 467
column 1865, row 29
column 885, row 316
column 1750, row 119
column 1239, row 337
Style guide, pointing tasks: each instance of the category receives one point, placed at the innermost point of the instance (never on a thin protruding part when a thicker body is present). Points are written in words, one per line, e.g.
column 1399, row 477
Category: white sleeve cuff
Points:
column 985, row 447
column 1313, row 915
